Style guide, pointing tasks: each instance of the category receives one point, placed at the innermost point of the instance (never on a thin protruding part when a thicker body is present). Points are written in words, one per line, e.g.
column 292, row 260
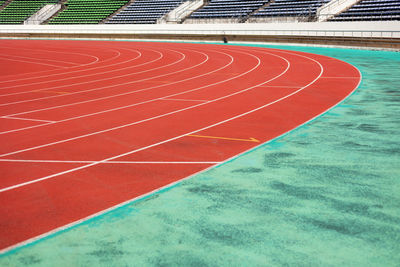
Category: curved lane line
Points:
column 127, row 93
column 50, row 60
column 98, row 88
column 70, row 225
column 81, row 76
column 116, row 85
column 72, row 77
column 31, row 62
column 141, row 121
column 35, row 72
column 138, row 122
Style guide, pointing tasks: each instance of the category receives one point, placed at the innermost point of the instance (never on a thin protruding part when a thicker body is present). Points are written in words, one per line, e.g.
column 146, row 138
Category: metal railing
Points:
column 256, row 20
column 114, row 29
column 383, row 16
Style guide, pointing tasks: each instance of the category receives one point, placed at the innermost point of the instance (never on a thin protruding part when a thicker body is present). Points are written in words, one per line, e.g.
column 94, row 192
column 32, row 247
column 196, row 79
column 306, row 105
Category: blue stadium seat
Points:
column 371, row 10
column 144, row 11
column 228, row 9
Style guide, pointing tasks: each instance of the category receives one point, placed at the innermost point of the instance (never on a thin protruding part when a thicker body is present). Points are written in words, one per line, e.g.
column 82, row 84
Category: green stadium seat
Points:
column 17, row 11
column 87, row 11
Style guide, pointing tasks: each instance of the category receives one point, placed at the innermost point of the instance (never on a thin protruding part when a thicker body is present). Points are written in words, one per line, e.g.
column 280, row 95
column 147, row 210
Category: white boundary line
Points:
column 107, row 162
column 75, row 223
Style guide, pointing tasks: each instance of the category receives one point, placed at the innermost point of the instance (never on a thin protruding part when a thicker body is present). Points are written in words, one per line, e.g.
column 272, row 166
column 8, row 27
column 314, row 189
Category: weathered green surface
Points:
column 326, row 194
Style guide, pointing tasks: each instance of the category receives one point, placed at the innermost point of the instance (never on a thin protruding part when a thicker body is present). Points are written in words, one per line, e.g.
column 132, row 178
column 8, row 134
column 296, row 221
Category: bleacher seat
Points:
column 145, row 11
column 291, row 8
column 371, row 10
column 228, row 9
column 17, row 11
column 87, row 11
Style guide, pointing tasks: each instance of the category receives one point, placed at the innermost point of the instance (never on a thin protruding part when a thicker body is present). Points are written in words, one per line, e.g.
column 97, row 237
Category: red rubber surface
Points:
column 87, row 125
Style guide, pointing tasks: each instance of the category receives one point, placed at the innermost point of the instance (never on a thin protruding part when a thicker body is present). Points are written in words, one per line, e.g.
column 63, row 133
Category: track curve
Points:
column 98, row 124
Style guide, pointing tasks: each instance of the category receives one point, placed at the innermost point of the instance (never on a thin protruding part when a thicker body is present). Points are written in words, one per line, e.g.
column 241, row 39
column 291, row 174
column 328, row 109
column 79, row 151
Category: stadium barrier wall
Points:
column 363, row 34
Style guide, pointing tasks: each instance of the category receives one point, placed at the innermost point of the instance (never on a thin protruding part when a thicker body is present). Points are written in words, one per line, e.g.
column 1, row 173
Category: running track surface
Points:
column 88, row 125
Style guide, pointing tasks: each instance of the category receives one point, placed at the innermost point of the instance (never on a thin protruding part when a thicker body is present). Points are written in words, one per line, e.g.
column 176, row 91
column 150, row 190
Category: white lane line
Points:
column 32, row 62
column 81, row 76
column 144, row 120
column 41, row 59
column 27, row 128
column 108, row 162
column 121, row 94
column 25, row 119
column 278, row 86
column 121, row 107
column 77, row 222
column 327, row 77
column 50, row 51
column 99, row 88
column 180, row 136
column 177, row 99
column 135, row 104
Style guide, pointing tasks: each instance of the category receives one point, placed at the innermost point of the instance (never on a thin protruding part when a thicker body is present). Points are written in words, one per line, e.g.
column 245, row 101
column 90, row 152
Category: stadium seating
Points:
column 291, row 8
column 145, row 11
column 228, row 9
column 371, row 10
column 17, row 11
column 149, row 11
column 87, row 11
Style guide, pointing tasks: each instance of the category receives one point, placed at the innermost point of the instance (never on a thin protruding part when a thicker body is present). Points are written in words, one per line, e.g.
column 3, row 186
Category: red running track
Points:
column 86, row 126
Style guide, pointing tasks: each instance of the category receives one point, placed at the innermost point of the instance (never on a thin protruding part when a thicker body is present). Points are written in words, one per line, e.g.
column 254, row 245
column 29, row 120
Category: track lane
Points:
column 88, row 83
column 144, row 86
column 95, row 180
column 72, row 52
column 139, row 113
column 125, row 60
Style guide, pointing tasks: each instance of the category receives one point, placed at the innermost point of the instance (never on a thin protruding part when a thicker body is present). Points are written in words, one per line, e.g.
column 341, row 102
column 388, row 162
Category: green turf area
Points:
column 326, row 194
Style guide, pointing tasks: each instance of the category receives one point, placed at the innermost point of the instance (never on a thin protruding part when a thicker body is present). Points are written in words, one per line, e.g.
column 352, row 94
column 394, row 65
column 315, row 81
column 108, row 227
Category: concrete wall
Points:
column 266, row 32
column 384, row 29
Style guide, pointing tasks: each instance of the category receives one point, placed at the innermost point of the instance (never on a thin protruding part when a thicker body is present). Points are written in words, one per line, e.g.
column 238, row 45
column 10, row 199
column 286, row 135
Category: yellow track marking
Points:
column 251, row 139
